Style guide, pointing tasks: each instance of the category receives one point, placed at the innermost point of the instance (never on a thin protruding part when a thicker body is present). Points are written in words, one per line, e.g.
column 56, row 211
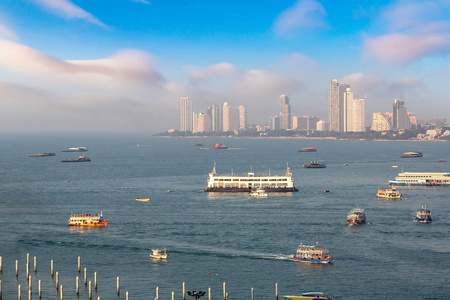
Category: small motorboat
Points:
column 423, row 215
column 309, row 296
column 389, row 194
column 143, row 199
column 441, row 160
column 159, row 253
column 259, row 193
column 356, row 216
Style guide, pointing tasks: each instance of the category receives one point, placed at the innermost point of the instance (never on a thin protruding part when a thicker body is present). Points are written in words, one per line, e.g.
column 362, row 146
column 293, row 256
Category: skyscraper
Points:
column 230, row 118
column 242, row 117
column 186, row 116
column 275, row 123
column 336, row 105
column 400, row 116
column 216, row 113
column 348, row 109
column 359, row 115
column 285, row 113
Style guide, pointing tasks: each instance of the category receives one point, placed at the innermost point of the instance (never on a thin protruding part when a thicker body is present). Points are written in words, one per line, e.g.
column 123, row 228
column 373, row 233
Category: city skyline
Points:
column 75, row 66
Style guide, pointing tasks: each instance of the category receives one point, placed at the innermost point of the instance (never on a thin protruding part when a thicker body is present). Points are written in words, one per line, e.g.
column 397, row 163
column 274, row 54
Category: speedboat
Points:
column 389, row 194
column 259, row 193
column 309, row 296
column 423, row 215
column 312, row 254
column 356, row 216
column 159, row 253
column 143, row 199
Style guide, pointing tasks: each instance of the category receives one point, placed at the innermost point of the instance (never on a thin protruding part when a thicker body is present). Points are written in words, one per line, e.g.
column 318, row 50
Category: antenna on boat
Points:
column 251, row 169
column 231, row 171
column 214, row 169
column 269, row 172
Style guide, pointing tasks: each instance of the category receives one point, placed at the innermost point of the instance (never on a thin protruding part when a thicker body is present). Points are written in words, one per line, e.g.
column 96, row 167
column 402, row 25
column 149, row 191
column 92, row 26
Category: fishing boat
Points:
column 81, row 158
column 411, row 154
column 356, row 216
column 259, row 193
column 143, row 199
column 159, row 253
column 309, row 296
column 314, row 164
column 389, row 193
column 249, row 181
column 87, row 220
column 312, row 254
column 41, row 154
column 423, row 215
column 218, row 147
column 308, row 149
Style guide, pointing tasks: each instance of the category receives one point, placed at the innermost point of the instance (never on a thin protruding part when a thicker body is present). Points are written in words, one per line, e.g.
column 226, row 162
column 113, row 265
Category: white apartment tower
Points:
column 359, row 115
column 337, row 107
column 285, row 113
column 230, row 118
column 242, row 117
column 186, row 116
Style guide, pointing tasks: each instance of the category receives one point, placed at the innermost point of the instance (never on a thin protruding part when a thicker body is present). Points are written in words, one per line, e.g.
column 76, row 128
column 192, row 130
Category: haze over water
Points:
column 215, row 238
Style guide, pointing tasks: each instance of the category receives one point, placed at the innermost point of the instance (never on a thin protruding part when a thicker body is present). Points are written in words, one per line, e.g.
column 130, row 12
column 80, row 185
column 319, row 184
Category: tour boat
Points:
column 314, row 164
column 159, row 253
column 356, row 216
column 389, row 194
column 143, row 199
column 81, row 158
column 423, row 215
column 422, row 179
column 249, row 181
column 312, row 254
column 259, row 193
column 309, row 296
column 411, row 154
column 41, row 154
column 309, row 149
column 87, row 220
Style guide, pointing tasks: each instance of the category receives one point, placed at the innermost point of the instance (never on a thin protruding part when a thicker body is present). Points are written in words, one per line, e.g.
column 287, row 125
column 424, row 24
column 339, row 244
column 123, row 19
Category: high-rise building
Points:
column 216, row 113
column 285, row 113
column 380, row 122
column 337, row 107
column 412, row 120
column 230, row 118
column 242, row 117
column 348, row 109
column 304, row 122
column 322, row 126
column 275, row 123
column 203, row 123
column 186, row 116
column 359, row 115
column 400, row 116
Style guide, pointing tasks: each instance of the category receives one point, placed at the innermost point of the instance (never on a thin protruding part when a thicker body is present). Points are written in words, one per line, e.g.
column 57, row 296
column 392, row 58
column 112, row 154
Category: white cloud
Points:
column 303, row 14
column 142, row 1
column 7, row 33
column 69, row 10
column 416, row 29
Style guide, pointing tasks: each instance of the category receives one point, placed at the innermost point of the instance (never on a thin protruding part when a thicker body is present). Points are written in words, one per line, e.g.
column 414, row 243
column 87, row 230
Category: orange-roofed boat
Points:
column 308, row 149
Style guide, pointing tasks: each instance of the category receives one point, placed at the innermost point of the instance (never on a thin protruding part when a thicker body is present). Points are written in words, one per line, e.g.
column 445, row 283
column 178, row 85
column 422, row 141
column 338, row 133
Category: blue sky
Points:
column 122, row 65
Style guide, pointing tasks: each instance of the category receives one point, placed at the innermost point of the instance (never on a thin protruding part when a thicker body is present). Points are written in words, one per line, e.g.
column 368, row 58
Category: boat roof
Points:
column 313, row 294
column 357, row 210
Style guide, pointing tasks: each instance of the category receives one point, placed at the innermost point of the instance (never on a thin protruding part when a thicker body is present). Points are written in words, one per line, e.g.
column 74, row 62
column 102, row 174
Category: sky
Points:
column 122, row 65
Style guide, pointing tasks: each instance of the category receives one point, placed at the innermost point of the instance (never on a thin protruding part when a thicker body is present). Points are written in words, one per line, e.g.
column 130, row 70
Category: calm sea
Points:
column 215, row 238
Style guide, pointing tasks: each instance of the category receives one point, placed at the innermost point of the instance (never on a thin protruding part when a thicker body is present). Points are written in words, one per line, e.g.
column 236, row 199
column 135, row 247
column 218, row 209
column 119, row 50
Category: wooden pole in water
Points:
column 184, row 290
column 126, row 295
column 224, row 292
column 57, row 281
column 35, row 266
column 173, row 295
column 157, row 293
column 40, row 295
column 28, row 258
column 253, row 294
column 29, row 295
column 17, row 268
column 118, row 290
column 18, row 291
column 90, row 290
column 29, row 282
column 0, row 289
column 209, row 293
column 79, row 264
column 77, row 289
column 27, row 271
column 276, row 291
column 61, row 293
column 1, row 264
column 51, row 267
column 95, row 280
column 226, row 296
column 85, row 277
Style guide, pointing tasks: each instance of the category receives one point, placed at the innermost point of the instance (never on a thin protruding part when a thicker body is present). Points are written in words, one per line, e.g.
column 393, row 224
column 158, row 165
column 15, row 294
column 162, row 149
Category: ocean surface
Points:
column 213, row 238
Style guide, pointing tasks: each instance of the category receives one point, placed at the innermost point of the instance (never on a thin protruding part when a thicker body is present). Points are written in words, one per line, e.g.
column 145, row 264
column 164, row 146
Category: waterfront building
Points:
column 216, row 112
column 305, row 122
column 275, row 123
column 400, row 116
column 348, row 109
column 322, row 126
column 230, row 118
column 285, row 113
column 359, row 115
column 242, row 117
column 412, row 120
column 380, row 122
column 203, row 123
column 336, row 105
column 186, row 115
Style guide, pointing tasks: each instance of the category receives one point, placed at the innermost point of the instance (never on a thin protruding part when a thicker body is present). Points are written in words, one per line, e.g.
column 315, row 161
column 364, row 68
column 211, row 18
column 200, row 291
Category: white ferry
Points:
column 250, row 181
column 422, row 179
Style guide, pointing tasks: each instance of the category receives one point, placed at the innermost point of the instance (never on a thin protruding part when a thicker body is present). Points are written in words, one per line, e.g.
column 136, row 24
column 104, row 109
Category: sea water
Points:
column 212, row 238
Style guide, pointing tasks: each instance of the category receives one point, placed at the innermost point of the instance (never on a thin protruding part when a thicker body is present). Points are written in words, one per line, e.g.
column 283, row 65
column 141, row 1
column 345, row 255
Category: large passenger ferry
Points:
column 249, row 181
column 87, row 220
column 421, row 179
column 313, row 254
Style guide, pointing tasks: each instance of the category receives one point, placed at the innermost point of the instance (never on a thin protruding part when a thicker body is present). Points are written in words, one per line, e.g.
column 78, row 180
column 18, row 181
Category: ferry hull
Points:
column 99, row 224
column 310, row 260
column 248, row 190
column 388, row 197
column 418, row 183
